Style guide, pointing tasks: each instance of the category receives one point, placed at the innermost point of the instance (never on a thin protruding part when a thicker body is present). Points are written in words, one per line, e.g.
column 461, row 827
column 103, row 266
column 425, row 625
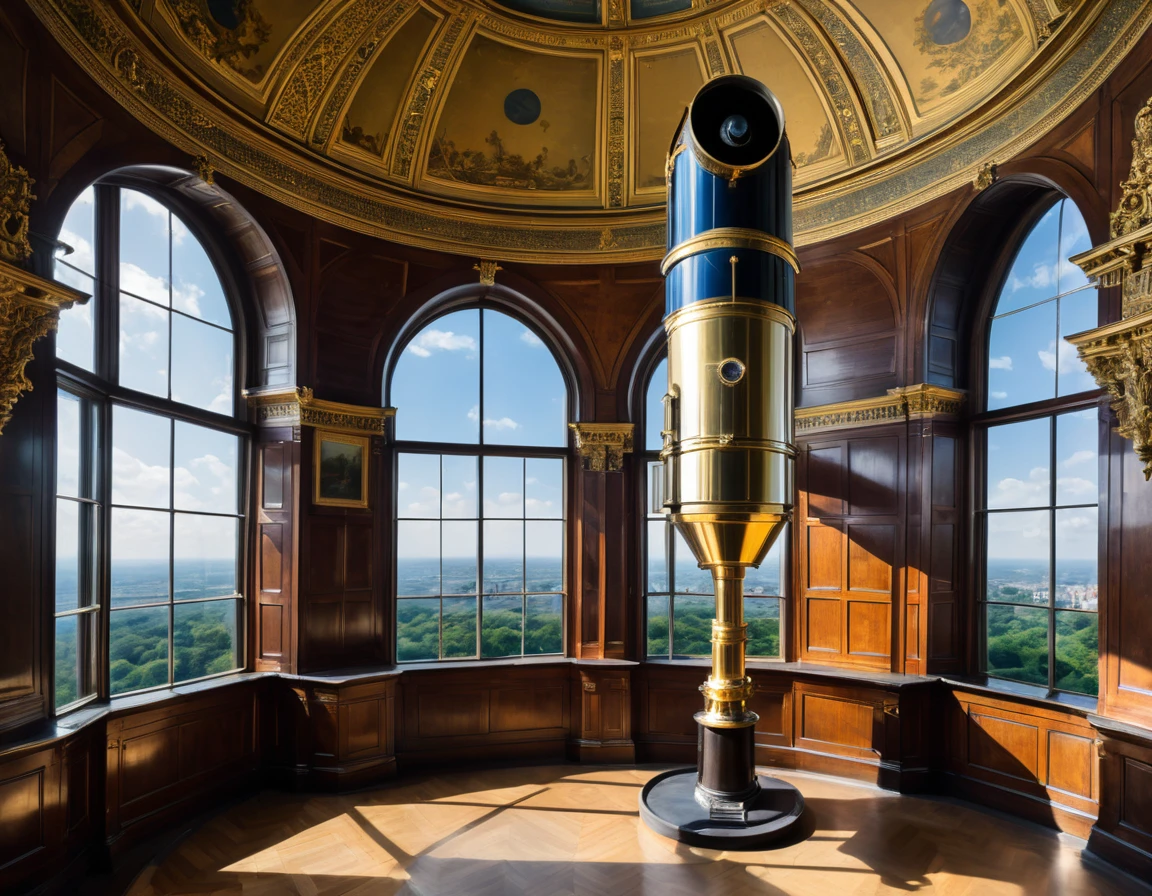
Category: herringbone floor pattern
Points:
column 547, row 831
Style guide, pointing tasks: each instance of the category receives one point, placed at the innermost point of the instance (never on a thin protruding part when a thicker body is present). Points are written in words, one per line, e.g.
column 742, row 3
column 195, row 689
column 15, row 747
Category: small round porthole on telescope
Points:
column 730, row 371
column 736, row 121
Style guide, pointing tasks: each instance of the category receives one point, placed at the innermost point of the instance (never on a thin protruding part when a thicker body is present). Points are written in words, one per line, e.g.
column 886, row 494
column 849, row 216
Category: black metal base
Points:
column 668, row 806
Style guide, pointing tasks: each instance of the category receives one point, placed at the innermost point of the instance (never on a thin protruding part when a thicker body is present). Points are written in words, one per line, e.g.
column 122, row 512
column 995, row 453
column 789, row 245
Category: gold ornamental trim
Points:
column 603, row 445
column 30, row 308
column 730, row 238
column 924, row 401
column 298, row 407
column 15, row 202
column 724, row 306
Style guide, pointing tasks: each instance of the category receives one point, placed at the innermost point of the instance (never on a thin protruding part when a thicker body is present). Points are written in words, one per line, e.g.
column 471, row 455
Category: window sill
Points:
column 998, row 687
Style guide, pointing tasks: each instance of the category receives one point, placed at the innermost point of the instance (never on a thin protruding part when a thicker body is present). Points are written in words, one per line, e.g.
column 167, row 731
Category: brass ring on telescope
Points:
column 731, row 238
column 724, row 306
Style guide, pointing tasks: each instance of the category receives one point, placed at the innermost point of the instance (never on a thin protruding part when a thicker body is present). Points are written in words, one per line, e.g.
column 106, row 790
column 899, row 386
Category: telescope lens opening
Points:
column 730, row 371
column 734, row 131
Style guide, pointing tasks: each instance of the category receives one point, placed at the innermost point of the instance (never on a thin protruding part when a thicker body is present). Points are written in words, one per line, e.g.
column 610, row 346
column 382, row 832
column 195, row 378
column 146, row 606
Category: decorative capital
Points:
column 603, row 445
column 487, row 269
column 1135, row 210
column 989, row 173
column 29, row 308
column 205, row 169
column 920, row 402
column 15, row 203
column 297, row 407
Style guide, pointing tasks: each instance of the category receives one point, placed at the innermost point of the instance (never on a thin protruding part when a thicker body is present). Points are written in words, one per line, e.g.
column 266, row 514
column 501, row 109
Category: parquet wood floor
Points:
column 548, row 831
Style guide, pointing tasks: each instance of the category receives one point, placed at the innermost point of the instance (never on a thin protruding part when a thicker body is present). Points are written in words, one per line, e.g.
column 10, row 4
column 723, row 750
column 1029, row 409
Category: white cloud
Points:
column 1043, row 277
column 530, row 338
column 1013, row 492
column 132, row 200
column 1004, row 362
column 440, row 340
column 490, row 423
column 1069, row 362
column 1080, row 490
column 1079, row 457
column 998, row 395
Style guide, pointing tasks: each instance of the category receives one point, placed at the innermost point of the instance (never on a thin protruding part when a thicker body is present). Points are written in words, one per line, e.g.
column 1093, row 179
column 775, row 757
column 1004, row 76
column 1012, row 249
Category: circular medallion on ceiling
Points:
column 225, row 13
column 522, row 106
column 947, row 21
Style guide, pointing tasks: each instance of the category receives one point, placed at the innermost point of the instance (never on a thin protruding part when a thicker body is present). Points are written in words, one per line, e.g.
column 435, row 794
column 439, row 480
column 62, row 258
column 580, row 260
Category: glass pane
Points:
column 202, row 365
column 1078, row 312
column 544, row 556
column 1019, row 455
column 459, row 627
column 138, row 649
column 1034, row 271
column 68, row 408
column 544, row 624
column 763, row 618
column 140, row 544
column 436, row 383
column 692, row 625
column 501, row 626
column 196, row 288
column 654, row 407
column 418, row 486
column 544, row 488
column 418, row 557
column 1017, row 551
column 417, row 630
column 657, row 556
column 143, row 346
column 78, row 231
column 1074, row 239
column 74, row 336
column 144, row 225
column 690, row 578
column 658, row 626
column 525, row 400
column 769, row 578
column 1078, row 652
column 68, row 661
column 655, row 490
column 206, row 639
column 205, row 549
column 460, row 487
column 67, row 555
column 140, row 458
column 459, row 568
column 1022, row 357
column 206, row 469
column 503, row 556
column 1077, row 458
column 1077, row 580
column 1018, row 643
column 504, row 487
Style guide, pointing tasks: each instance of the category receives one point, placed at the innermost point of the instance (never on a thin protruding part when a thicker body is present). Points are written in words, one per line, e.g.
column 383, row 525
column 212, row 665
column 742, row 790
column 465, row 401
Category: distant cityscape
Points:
column 1026, row 582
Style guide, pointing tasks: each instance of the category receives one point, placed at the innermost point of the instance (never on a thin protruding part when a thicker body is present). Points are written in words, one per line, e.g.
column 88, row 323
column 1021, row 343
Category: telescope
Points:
column 728, row 451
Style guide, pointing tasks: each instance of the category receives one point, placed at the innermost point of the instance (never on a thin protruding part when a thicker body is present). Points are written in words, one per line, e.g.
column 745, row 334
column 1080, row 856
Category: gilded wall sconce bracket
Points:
column 603, row 445
column 297, row 406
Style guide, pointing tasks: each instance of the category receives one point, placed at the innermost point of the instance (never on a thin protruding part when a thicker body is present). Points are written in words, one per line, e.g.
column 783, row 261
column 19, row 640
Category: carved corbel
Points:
column 29, row 308
column 1119, row 355
column 296, row 406
column 603, row 445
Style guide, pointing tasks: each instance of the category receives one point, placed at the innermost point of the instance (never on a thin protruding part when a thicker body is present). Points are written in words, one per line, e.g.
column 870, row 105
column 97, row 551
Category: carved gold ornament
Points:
column 919, row 402
column 298, row 407
column 15, row 199
column 487, row 271
column 29, row 308
column 603, row 445
column 1119, row 355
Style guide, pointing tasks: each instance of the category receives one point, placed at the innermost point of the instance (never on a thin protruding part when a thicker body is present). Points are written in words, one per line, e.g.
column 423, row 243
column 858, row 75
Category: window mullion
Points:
column 1052, row 541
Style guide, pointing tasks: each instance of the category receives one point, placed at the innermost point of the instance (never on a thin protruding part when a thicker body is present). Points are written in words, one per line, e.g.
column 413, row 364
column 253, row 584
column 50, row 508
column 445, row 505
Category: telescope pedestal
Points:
column 723, row 803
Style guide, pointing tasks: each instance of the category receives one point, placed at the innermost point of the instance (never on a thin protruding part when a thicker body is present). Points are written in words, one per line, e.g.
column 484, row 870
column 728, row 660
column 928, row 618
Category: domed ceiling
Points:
column 538, row 129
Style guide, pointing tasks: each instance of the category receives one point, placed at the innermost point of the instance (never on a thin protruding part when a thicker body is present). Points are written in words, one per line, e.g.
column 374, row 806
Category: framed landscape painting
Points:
column 340, row 470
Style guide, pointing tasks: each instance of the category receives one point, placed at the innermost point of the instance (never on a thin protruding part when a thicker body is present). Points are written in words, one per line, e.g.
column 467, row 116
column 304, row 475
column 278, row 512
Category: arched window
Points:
column 679, row 598
column 481, row 434
column 1037, row 505
column 150, row 497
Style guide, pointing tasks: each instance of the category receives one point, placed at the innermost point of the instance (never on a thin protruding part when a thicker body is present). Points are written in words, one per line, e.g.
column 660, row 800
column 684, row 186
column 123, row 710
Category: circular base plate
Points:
column 668, row 806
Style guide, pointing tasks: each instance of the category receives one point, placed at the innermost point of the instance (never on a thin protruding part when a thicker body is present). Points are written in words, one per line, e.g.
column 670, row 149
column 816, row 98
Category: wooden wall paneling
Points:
column 667, row 698
column 591, row 571
column 1123, row 832
column 939, row 534
column 33, row 815
column 601, row 701
column 276, row 556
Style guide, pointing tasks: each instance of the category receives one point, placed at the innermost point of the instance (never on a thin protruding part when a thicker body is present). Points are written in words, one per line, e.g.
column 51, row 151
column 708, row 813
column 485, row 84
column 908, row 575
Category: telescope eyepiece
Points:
column 734, row 131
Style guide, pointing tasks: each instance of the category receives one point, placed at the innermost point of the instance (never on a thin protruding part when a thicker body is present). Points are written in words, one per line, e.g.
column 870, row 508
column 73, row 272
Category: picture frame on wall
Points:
column 340, row 470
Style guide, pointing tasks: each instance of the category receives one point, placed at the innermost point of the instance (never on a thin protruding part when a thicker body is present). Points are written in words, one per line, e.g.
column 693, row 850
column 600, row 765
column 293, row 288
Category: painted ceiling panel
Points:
column 518, row 120
column 665, row 85
column 586, row 12
column 368, row 123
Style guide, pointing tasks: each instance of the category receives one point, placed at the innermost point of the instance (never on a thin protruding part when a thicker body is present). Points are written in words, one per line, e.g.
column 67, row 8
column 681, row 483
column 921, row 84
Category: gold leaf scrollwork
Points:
column 15, row 203
column 603, row 445
column 1135, row 209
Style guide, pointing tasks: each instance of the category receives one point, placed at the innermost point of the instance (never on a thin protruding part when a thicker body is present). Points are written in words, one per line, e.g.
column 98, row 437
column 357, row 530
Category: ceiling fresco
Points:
column 392, row 115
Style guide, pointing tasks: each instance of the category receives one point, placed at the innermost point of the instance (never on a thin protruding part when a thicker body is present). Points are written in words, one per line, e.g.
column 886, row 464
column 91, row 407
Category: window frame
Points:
column 481, row 450
column 645, row 458
column 101, row 386
column 1047, row 409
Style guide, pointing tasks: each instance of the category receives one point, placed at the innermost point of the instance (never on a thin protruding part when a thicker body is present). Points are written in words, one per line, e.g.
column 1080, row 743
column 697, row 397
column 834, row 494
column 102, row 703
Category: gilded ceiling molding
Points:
column 918, row 402
column 1119, row 355
column 846, row 119
column 712, row 51
column 617, row 122
column 296, row 406
column 603, row 445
